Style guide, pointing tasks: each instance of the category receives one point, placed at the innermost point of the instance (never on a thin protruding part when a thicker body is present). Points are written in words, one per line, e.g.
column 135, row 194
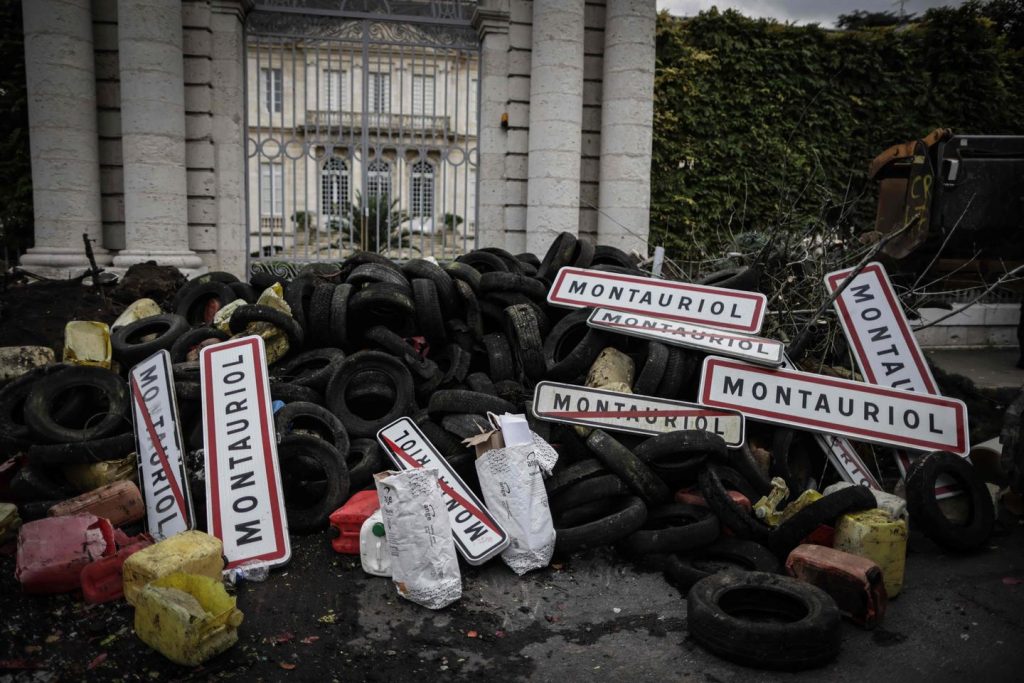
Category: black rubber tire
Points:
column 243, row 315
column 393, row 344
column 14, row 432
column 446, row 444
column 319, row 331
column 782, row 464
column 82, row 452
column 564, row 477
column 310, row 417
column 529, row 259
column 514, row 265
column 261, row 281
column 369, row 273
column 649, row 378
column 523, row 331
column 380, row 303
column 358, row 258
column 742, row 278
column 312, row 369
column 484, row 262
column 571, row 347
column 584, row 513
column 39, row 483
column 742, row 460
column 191, row 302
column 305, row 516
column 499, row 356
column 292, row 393
column 187, row 371
column 627, row 516
column 365, row 459
column 673, row 528
column 674, row 377
column 453, row 363
column 41, row 404
column 424, row 269
column 612, row 256
column 350, row 370
column 584, row 253
column 217, row 276
column 512, row 391
column 429, row 317
column 457, row 270
column 596, row 487
column 621, row 461
column 559, row 254
column 742, row 523
column 726, row 613
column 457, row 401
column 513, row 282
column 471, row 309
column 480, row 382
column 725, row 554
column 244, row 291
column 927, row 516
column 189, row 340
column 790, row 533
column 339, row 314
column 678, row 457
column 465, row 425
column 187, row 390
column 297, row 294
column 126, row 344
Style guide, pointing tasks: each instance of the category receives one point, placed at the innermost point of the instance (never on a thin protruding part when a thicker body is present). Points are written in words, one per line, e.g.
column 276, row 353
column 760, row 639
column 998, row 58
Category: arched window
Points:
column 378, row 179
column 334, row 187
column 421, row 189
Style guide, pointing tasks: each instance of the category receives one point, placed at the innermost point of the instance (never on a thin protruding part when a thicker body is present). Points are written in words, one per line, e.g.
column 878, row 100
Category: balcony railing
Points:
column 380, row 121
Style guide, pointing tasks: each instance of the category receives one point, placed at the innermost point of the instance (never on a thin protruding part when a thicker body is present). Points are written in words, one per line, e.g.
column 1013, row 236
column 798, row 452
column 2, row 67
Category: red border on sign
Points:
column 711, row 363
column 755, row 325
column 835, row 279
column 265, row 423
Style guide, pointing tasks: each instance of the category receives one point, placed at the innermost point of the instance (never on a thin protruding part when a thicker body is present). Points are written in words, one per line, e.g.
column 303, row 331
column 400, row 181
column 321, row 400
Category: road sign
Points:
column 478, row 535
column 836, row 406
column 158, row 443
column 623, row 412
column 245, row 504
column 759, row 350
column 725, row 309
column 883, row 344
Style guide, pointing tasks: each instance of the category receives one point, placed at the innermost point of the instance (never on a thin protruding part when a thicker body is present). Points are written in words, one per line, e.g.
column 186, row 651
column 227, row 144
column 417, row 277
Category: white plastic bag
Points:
column 424, row 567
column 513, row 487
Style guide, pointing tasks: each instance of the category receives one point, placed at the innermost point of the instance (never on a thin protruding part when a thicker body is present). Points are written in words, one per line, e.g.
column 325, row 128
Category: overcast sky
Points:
column 823, row 12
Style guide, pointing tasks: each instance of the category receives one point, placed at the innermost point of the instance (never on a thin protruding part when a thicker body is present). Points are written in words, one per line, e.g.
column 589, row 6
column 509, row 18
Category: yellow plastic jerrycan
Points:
column 190, row 552
column 87, row 343
column 187, row 618
column 875, row 535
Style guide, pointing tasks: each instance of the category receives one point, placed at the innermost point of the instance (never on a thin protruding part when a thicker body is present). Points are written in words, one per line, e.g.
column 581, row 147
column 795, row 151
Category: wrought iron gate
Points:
column 361, row 119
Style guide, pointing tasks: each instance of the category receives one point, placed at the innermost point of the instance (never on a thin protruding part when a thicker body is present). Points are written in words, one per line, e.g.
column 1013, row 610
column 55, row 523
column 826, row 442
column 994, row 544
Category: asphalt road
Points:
column 594, row 616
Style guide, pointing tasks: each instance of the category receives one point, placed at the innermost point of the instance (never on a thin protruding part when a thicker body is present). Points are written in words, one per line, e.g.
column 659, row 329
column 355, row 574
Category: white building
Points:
column 192, row 132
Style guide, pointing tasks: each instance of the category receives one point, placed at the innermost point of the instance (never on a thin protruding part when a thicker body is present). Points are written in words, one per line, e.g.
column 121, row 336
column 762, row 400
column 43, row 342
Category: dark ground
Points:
column 594, row 616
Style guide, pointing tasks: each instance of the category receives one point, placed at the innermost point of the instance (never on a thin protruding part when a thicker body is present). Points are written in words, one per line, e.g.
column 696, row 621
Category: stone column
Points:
column 61, row 83
column 229, row 134
column 153, row 134
column 491, row 21
column 627, row 110
column 556, row 120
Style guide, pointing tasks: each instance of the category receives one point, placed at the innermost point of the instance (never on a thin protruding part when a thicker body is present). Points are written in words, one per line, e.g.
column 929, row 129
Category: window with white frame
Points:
column 334, row 92
column 271, row 189
column 378, row 179
column 422, row 95
column 334, row 188
column 272, row 82
column 421, row 190
column 379, row 94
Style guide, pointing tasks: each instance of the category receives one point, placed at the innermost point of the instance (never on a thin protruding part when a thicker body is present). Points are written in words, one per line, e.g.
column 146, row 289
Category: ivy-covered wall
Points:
column 760, row 125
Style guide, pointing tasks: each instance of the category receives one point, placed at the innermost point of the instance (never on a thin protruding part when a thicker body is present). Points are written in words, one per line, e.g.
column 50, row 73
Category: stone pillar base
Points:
column 183, row 260
column 61, row 262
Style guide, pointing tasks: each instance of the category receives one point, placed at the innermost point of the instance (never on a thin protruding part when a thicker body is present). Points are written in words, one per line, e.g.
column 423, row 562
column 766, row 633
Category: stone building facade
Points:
column 141, row 136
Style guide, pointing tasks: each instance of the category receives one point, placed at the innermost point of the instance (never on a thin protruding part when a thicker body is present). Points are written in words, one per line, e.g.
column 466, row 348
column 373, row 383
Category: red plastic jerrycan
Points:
column 347, row 520
column 101, row 579
column 53, row 551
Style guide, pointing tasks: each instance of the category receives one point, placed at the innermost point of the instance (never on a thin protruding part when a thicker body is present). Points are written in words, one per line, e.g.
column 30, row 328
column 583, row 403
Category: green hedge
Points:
column 760, row 125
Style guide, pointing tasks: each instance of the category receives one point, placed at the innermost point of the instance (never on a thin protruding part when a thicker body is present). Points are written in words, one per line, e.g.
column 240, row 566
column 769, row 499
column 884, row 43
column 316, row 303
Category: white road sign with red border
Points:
column 725, row 309
column 836, row 406
column 760, row 350
column 478, row 535
column 623, row 412
column 245, row 504
column 158, row 443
